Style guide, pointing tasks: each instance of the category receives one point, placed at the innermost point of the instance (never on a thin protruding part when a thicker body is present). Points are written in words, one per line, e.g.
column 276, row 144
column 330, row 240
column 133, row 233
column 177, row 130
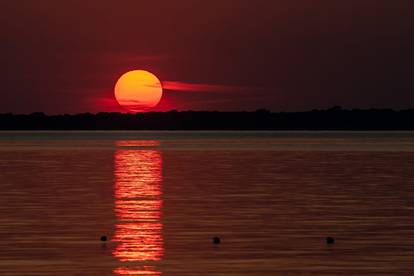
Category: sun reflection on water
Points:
column 138, row 203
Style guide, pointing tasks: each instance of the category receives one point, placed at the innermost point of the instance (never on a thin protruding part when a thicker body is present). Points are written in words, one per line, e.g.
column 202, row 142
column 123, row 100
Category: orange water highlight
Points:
column 138, row 203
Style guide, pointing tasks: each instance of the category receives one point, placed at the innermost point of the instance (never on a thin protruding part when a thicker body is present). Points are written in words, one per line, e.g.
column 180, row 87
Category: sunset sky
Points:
column 66, row 56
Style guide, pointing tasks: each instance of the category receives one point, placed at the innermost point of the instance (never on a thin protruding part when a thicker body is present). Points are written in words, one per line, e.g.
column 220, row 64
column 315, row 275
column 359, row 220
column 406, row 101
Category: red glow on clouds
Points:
column 186, row 96
column 201, row 87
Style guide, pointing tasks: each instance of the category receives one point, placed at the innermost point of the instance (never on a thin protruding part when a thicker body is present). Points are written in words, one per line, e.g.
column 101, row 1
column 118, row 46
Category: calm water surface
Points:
column 160, row 197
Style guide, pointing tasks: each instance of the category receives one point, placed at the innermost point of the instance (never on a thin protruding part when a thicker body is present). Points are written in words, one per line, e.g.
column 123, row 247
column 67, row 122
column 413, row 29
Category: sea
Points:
column 160, row 198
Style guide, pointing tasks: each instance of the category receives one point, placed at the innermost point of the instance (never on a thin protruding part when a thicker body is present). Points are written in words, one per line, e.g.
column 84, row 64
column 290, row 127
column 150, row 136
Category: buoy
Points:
column 330, row 240
column 104, row 238
column 216, row 240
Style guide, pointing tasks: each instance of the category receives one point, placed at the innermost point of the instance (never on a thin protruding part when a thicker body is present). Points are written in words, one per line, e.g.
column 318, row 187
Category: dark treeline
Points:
column 331, row 119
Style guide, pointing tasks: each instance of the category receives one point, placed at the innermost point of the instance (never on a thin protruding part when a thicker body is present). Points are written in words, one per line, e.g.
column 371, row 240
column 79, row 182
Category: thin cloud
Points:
column 203, row 87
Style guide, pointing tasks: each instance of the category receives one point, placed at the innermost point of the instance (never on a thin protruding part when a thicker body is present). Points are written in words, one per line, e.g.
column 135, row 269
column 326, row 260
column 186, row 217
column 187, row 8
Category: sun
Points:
column 138, row 91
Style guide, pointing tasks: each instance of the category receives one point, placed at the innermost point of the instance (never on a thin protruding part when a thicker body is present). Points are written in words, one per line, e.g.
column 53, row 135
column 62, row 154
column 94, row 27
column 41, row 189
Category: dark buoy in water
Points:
column 330, row 240
column 104, row 238
column 216, row 240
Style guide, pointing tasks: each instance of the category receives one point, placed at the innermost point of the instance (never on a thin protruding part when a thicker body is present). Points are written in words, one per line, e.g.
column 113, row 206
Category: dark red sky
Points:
column 65, row 56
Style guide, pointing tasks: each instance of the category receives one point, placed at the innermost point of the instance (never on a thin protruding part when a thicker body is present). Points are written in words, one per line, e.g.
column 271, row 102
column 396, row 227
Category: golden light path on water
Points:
column 138, row 179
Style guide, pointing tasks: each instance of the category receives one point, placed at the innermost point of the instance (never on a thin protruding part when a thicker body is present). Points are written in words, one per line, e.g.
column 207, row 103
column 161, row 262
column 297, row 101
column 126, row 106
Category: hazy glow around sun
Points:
column 138, row 91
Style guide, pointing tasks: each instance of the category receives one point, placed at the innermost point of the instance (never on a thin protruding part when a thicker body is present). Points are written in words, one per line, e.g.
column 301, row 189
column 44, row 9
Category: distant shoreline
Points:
column 333, row 119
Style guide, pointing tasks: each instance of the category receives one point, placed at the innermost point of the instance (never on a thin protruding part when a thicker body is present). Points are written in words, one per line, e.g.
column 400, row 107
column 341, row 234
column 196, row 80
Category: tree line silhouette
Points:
column 334, row 118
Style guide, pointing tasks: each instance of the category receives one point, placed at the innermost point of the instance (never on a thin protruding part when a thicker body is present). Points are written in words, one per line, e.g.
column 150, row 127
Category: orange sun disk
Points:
column 138, row 91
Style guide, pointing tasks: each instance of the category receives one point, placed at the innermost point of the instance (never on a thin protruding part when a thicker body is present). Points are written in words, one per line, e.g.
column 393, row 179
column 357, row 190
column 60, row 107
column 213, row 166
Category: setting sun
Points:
column 138, row 91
